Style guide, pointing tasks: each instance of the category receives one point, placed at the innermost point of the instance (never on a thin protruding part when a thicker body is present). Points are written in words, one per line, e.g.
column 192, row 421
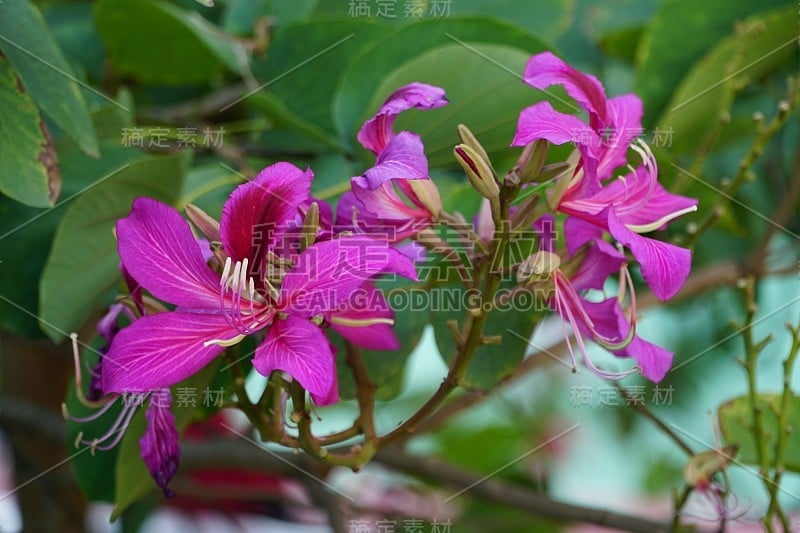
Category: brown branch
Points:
column 522, row 498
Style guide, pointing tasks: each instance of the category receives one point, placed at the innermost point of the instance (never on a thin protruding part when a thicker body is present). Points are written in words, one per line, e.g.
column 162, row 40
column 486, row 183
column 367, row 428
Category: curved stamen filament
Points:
column 76, row 357
column 567, row 301
column 361, row 322
column 235, row 278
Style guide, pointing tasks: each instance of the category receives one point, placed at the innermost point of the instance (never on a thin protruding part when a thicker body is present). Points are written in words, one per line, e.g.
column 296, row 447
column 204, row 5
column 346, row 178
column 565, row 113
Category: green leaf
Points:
column 708, row 87
column 83, row 265
column 29, row 46
column 132, row 479
column 26, row 233
column 358, row 86
column 492, row 362
column 483, row 85
column 676, row 36
column 28, row 167
column 240, row 14
column 736, row 423
column 304, row 54
column 622, row 43
column 159, row 43
column 547, row 20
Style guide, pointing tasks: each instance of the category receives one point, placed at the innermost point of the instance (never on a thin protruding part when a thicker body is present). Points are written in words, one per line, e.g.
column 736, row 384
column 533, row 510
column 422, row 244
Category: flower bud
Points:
column 204, row 223
column 478, row 171
column 704, row 465
column 530, row 165
column 428, row 195
column 538, row 267
column 310, row 227
column 466, row 136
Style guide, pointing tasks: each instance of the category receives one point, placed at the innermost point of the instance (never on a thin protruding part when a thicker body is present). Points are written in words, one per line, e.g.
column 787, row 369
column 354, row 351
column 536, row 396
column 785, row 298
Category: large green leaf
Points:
column 26, row 233
column 736, row 423
column 492, row 362
column 82, row 267
column 548, row 20
column 677, row 34
column 159, row 43
column 28, row 45
column 28, row 166
column 241, row 14
column 358, row 86
column 306, row 60
column 485, row 92
column 741, row 57
column 132, row 479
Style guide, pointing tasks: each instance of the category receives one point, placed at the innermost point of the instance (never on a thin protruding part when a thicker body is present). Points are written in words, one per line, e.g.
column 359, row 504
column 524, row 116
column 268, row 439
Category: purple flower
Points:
column 159, row 445
column 395, row 197
column 626, row 207
column 255, row 290
column 604, row 322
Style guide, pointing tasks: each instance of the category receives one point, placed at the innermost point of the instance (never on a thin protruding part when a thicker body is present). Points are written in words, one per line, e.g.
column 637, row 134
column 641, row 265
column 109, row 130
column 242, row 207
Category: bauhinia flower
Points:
column 159, row 445
column 395, row 197
column 626, row 207
column 256, row 289
column 604, row 322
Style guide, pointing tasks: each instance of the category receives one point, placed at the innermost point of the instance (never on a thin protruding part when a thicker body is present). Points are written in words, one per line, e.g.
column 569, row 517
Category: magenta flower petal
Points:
column 159, row 251
column 376, row 133
column 366, row 304
column 602, row 260
column 545, row 69
column 624, row 126
column 654, row 360
column 661, row 207
column 578, row 232
column 541, row 121
column 159, row 445
column 160, row 350
column 664, row 266
column 610, row 321
column 259, row 211
column 327, row 273
column 297, row 346
column 402, row 158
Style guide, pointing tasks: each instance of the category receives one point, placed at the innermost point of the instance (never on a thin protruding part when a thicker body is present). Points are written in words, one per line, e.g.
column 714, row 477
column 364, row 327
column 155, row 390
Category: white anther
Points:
column 225, row 272
column 234, row 284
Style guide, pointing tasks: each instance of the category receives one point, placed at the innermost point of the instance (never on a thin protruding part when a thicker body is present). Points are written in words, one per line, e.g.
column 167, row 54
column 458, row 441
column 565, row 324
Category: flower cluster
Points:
column 280, row 266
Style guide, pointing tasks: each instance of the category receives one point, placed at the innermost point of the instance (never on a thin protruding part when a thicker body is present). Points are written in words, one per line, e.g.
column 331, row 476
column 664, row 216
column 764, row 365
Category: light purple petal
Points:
column 297, row 346
column 159, row 251
column 484, row 225
column 160, row 350
column 159, row 445
column 258, row 211
column 402, row 158
column 665, row 266
column 376, row 133
column 545, row 69
column 327, row 273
